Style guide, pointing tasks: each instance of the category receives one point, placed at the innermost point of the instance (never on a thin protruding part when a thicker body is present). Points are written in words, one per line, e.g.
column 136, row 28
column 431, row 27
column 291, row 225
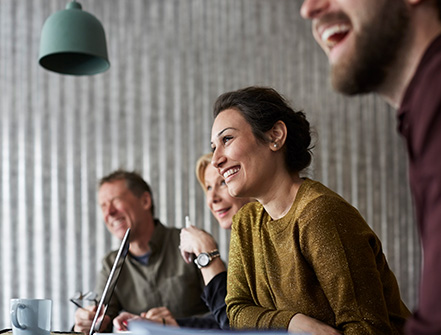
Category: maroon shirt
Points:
column 420, row 124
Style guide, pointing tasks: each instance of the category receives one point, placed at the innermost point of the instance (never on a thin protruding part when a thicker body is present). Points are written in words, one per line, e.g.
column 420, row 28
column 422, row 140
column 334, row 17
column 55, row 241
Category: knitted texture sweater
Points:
column 321, row 259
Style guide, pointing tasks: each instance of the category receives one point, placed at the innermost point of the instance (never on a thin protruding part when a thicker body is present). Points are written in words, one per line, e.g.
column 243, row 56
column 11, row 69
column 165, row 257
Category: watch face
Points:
column 203, row 259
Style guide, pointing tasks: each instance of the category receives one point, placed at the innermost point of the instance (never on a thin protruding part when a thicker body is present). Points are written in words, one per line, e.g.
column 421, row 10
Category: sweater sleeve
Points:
column 214, row 297
column 347, row 258
column 242, row 310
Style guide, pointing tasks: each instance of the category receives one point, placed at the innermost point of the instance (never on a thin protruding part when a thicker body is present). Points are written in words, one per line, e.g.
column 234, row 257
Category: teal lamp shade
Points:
column 73, row 42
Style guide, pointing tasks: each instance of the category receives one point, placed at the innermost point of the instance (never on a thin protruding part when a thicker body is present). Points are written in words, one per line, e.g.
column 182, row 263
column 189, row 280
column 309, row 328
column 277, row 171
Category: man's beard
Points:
column 377, row 47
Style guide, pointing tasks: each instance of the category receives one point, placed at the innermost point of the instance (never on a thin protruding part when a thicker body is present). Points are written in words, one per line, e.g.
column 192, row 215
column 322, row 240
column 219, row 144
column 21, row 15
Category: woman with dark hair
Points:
column 301, row 258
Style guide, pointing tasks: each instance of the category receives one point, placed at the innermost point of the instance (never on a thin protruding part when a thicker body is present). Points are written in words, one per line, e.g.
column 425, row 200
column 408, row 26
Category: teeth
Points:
column 223, row 211
column 116, row 222
column 336, row 29
column 230, row 172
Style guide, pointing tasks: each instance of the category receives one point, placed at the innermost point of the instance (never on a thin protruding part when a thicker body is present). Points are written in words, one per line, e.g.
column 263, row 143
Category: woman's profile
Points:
column 301, row 257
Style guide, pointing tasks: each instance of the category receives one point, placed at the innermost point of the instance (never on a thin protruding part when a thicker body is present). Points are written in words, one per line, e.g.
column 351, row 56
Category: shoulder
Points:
column 109, row 258
column 313, row 194
column 165, row 239
column 319, row 206
column 426, row 78
column 249, row 213
column 165, row 232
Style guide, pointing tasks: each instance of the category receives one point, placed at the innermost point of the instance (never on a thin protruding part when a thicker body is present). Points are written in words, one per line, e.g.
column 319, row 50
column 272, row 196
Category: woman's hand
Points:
column 122, row 320
column 194, row 241
column 301, row 322
column 160, row 315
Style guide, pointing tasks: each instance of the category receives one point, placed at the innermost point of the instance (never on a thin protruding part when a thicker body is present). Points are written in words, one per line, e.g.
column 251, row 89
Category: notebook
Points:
column 111, row 283
column 141, row 327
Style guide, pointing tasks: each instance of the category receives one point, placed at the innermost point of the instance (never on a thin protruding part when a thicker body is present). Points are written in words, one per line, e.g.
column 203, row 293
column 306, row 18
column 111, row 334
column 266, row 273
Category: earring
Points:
column 275, row 145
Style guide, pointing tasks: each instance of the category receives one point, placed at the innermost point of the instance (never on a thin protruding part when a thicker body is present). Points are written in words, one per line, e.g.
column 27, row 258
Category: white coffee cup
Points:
column 31, row 316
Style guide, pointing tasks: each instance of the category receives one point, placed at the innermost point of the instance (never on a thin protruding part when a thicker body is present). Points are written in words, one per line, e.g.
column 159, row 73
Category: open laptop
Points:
column 111, row 283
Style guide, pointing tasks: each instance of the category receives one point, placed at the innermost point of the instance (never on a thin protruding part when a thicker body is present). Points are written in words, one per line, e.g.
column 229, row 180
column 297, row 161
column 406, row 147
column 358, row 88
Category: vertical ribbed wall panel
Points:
column 151, row 112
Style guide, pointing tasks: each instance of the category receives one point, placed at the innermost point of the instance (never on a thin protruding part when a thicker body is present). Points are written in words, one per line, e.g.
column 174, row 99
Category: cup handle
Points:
column 14, row 317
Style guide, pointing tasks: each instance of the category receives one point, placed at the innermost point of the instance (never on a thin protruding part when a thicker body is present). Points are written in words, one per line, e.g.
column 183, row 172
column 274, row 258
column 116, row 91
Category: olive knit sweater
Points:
column 321, row 260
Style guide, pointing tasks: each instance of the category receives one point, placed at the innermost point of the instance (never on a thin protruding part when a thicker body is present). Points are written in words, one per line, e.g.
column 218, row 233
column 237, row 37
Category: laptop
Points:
column 111, row 283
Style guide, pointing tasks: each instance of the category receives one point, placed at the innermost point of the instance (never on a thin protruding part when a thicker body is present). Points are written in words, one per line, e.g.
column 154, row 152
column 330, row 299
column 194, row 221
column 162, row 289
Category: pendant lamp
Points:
column 73, row 42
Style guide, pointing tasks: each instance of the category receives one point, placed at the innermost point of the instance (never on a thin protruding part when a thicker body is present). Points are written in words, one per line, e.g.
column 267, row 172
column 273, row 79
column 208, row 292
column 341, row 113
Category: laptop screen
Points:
column 111, row 283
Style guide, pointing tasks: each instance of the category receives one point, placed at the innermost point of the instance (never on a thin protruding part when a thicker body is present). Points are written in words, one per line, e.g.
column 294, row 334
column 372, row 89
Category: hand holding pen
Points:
column 194, row 241
column 84, row 315
column 186, row 255
column 79, row 298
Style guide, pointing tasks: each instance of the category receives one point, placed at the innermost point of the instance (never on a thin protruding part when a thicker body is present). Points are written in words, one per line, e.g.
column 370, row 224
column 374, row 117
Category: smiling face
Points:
column 222, row 205
column 362, row 39
column 245, row 163
column 121, row 208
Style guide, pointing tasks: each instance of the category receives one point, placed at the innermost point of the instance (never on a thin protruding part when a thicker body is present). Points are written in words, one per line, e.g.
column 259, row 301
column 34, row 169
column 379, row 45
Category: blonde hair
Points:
column 201, row 166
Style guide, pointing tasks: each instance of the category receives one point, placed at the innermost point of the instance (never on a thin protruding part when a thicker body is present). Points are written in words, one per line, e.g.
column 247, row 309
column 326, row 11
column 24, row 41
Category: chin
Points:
column 120, row 232
column 233, row 192
column 225, row 223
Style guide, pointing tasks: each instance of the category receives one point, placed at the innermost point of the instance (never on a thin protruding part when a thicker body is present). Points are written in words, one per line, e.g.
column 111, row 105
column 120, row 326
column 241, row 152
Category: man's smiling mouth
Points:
column 332, row 35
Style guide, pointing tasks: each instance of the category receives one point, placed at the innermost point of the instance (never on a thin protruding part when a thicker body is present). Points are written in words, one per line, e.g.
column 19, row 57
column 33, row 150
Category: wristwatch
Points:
column 205, row 258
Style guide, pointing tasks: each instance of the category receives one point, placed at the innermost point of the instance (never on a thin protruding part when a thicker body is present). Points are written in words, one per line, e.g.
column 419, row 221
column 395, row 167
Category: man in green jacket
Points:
column 154, row 273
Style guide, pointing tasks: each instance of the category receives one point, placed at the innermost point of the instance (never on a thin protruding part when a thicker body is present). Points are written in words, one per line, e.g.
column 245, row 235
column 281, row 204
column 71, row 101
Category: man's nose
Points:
column 312, row 8
column 109, row 210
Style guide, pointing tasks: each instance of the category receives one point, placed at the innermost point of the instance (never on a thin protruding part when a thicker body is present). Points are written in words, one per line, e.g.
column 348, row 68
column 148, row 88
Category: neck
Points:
column 138, row 248
column 424, row 28
column 278, row 201
column 140, row 243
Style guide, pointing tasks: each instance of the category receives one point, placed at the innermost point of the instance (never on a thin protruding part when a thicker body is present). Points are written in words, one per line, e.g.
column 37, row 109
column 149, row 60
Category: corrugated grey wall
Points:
column 151, row 112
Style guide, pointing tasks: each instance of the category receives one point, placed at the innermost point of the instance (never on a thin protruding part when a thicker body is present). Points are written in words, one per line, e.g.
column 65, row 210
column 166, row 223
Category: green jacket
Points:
column 165, row 281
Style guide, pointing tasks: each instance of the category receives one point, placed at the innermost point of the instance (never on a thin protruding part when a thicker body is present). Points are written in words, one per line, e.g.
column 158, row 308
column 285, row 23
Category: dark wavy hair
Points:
column 262, row 107
column 134, row 182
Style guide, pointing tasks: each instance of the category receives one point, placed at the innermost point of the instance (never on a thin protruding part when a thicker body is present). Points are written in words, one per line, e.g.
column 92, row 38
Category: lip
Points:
column 222, row 212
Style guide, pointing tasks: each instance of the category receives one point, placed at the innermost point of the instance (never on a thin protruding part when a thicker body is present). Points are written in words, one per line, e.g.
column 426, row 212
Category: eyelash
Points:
column 225, row 139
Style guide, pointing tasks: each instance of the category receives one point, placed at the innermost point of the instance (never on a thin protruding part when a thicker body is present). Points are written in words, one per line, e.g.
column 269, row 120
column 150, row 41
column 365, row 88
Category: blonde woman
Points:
column 197, row 242
column 199, row 246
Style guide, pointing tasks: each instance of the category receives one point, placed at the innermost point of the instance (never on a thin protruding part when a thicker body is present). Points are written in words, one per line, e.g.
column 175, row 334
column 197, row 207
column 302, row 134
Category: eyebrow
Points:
column 223, row 131
column 111, row 200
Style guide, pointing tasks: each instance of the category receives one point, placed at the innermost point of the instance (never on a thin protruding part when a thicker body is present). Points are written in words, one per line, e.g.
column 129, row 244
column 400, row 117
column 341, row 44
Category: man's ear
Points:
column 146, row 199
column 277, row 135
